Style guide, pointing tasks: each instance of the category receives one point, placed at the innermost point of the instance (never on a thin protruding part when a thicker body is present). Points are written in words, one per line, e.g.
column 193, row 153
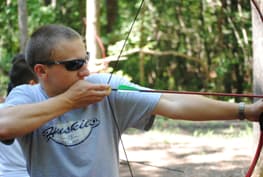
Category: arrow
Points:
column 126, row 88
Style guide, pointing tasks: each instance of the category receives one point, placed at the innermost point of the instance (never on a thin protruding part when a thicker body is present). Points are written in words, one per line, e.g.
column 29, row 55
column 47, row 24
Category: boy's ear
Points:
column 40, row 70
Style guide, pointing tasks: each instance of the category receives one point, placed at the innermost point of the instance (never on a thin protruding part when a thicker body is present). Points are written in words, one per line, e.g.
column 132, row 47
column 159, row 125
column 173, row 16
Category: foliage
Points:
column 66, row 12
column 212, row 40
column 220, row 128
column 218, row 36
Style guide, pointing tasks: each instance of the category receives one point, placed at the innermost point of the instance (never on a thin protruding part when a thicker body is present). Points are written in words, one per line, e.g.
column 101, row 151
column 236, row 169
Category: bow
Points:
column 260, row 143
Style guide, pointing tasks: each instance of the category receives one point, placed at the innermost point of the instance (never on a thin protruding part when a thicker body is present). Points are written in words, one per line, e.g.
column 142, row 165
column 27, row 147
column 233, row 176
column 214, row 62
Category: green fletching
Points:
column 126, row 87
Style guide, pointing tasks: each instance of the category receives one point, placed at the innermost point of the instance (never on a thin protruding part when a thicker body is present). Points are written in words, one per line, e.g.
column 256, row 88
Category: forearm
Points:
column 194, row 107
column 19, row 120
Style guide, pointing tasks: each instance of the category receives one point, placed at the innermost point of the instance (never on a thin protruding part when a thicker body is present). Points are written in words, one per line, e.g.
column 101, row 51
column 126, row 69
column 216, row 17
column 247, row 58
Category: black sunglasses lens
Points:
column 74, row 64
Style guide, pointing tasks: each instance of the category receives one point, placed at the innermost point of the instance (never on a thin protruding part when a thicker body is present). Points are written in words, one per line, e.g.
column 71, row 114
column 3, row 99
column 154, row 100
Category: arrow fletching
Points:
column 127, row 88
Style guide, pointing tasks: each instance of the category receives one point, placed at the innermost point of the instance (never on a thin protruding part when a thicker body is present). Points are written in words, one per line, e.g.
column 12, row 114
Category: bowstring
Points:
column 125, row 41
column 111, row 74
column 257, row 9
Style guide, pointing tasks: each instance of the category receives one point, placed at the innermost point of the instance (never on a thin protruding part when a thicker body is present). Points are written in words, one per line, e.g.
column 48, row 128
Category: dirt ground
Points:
column 155, row 154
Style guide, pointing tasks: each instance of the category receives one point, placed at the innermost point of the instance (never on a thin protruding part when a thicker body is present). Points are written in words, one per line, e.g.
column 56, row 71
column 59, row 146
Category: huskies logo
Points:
column 71, row 133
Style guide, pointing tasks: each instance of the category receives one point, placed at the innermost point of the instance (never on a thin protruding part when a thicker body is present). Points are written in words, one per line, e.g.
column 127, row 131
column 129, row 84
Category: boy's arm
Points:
column 200, row 108
column 21, row 119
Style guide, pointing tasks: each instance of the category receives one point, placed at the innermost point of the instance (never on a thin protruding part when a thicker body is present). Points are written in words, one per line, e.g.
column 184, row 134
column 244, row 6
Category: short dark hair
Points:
column 45, row 40
column 20, row 72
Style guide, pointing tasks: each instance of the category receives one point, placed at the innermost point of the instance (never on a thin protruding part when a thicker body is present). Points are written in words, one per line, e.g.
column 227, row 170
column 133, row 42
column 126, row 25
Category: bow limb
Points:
column 258, row 151
column 260, row 141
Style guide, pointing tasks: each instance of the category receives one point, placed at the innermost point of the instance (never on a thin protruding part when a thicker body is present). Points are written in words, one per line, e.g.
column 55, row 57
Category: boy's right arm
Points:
column 22, row 119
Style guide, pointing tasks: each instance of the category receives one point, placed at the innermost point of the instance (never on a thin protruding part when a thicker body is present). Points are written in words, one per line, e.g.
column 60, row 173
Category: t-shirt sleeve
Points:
column 16, row 97
column 19, row 95
column 132, row 109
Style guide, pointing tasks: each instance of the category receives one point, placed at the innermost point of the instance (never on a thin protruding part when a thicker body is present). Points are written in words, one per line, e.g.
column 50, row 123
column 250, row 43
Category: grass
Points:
column 204, row 128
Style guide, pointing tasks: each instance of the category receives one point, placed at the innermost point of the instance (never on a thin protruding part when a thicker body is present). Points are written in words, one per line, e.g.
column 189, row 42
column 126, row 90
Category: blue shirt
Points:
column 83, row 142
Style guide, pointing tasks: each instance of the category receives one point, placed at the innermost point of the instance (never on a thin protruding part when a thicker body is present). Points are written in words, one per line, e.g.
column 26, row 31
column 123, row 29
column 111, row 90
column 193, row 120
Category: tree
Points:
column 92, row 27
column 112, row 12
column 22, row 24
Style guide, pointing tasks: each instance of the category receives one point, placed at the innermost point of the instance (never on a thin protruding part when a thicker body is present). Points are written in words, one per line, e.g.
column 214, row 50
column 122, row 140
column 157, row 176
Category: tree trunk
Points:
column 112, row 12
column 22, row 24
column 142, row 43
column 50, row 2
column 92, row 28
column 257, row 27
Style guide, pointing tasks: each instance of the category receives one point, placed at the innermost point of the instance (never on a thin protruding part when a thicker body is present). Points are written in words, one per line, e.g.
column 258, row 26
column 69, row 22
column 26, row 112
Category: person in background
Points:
column 12, row 161
column 70, row 123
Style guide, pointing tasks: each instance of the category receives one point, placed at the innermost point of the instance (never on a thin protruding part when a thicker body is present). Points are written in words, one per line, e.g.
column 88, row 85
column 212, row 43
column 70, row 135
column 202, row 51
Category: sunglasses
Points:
column 70, row 65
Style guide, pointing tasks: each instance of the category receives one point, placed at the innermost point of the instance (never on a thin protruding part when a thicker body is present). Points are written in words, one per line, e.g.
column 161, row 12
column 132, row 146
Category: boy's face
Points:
column 59, row 78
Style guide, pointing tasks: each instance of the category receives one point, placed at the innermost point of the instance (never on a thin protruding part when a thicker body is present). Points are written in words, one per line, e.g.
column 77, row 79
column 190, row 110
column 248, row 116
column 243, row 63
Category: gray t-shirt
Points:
column 83, row 142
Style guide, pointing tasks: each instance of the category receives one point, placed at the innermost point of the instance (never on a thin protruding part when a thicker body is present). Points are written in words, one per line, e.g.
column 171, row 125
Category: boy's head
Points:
column 46, row 41
column 58, row 56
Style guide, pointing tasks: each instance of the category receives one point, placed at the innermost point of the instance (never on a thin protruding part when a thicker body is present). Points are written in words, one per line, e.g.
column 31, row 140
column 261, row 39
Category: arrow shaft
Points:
column 193, row 93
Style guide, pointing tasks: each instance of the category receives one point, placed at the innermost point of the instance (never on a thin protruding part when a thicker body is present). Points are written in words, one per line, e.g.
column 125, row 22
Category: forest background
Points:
column 179, row 45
